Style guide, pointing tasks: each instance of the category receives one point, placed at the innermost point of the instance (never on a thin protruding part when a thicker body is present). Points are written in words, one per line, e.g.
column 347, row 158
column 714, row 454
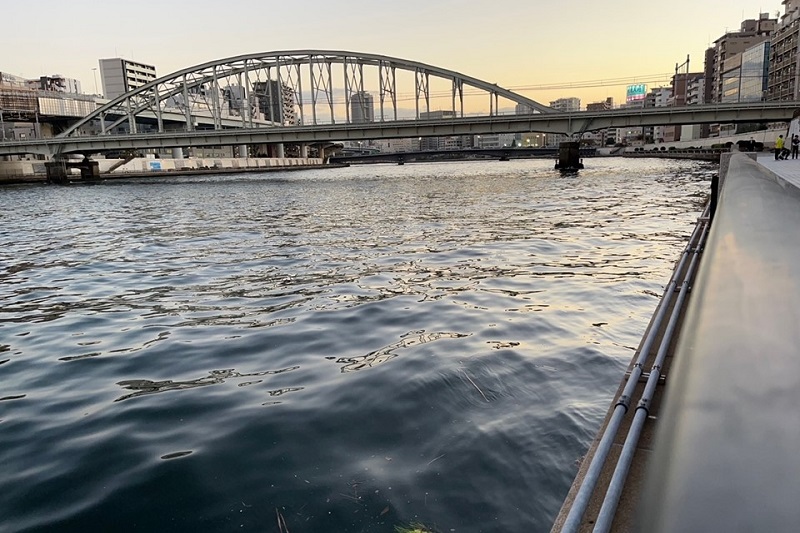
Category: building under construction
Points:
column 17, row 101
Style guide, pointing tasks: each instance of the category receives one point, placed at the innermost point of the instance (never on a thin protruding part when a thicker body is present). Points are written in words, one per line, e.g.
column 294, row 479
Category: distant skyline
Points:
column 541, row 49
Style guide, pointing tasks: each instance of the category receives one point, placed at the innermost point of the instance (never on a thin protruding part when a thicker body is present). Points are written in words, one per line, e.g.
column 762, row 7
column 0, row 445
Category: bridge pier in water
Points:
column 58, row 171
column 569, row 156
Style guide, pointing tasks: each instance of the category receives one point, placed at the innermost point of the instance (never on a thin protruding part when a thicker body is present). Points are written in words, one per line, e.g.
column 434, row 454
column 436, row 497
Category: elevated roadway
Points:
column 503, row 154
column 552, row 122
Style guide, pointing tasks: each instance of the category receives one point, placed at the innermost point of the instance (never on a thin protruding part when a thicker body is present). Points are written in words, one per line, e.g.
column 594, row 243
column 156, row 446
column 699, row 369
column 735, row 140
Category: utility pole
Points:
column 685, row 80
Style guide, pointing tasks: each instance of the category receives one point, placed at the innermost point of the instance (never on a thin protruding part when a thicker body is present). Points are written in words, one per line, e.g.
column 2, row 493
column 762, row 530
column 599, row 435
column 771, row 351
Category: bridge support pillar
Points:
column 57, row 172
column 90, row 170
column 279, row 150
column 569, row 156
column 177, row 153
column 242, row 150
column 304, row 151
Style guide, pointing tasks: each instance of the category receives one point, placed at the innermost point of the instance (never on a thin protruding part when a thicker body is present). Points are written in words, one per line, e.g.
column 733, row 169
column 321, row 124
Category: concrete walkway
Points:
column 788, row 169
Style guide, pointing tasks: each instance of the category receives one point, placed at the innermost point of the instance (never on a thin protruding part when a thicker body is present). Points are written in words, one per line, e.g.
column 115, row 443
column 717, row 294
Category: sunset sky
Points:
column 540, row 48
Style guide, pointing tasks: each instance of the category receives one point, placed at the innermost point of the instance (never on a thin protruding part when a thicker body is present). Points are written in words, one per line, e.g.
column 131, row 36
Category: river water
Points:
column 343, row 350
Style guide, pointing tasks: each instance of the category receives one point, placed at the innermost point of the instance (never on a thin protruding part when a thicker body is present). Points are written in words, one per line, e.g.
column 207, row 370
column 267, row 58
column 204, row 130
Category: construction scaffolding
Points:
column 17, row 103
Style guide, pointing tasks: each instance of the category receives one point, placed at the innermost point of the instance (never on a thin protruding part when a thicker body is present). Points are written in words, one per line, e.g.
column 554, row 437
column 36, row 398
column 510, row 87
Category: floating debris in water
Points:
column 413, row 528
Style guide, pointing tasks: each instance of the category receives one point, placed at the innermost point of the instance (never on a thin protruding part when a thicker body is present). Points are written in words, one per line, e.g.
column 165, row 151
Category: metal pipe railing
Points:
column 582, row 498
column 614, row 492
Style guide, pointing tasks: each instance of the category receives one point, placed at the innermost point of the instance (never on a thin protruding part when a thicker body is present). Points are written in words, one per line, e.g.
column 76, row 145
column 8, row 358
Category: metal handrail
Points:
column 582, row 498
column 611, row 500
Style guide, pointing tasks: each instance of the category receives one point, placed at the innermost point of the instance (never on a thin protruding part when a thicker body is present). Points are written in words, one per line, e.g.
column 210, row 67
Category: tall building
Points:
column 275, row 101
column 564, row 105
column 755, row 73
column 120, row 76
column 661, row 97
column 687, row 89
column 600, row 137
column 362, row 107
column 783, row 83
column 727, row 47
column 731, row 79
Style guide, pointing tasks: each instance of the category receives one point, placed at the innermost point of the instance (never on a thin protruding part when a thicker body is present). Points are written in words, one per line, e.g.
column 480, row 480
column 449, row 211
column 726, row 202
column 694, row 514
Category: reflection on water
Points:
column 339, row 351
column 387, row 353
column 146, row 386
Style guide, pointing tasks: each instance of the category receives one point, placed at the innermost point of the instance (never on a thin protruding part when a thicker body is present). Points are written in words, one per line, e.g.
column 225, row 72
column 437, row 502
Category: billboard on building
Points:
column 636, row 93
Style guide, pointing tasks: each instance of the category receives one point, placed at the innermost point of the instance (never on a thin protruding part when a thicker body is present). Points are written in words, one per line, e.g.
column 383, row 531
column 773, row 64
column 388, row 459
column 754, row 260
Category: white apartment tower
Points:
column 120, row 76
column 565, row 105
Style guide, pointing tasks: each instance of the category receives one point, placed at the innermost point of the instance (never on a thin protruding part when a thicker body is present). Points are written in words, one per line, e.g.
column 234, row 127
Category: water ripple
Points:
column 343, row 350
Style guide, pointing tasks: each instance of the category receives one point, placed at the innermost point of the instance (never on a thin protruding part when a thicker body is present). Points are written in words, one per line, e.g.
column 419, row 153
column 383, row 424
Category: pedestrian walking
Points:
column 795, row 146
column 778, row 147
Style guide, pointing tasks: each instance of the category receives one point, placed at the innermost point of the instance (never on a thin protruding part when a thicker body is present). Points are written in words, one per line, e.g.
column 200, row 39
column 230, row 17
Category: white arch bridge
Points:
column 306, row 96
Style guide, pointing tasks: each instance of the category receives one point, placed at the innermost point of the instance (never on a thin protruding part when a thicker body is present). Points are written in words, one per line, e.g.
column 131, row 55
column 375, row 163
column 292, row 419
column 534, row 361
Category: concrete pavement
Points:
column 788, row 169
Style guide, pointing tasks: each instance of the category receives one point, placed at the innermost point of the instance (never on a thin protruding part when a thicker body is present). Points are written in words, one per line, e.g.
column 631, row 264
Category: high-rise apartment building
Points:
column 721, row 69
column 275, row 102
column 566, row 104
column 362, row 107
column 660, row 97
column 120, row 76
column 563, row 105
column 783, row 83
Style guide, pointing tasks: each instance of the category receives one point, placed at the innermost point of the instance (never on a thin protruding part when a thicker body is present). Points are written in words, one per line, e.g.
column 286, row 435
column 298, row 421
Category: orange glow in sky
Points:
column 542, row 49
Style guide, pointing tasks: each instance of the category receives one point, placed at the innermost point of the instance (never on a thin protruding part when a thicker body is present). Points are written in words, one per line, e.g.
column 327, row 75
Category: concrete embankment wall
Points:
column 725, row 456
column 10, row 169
column 766, row 137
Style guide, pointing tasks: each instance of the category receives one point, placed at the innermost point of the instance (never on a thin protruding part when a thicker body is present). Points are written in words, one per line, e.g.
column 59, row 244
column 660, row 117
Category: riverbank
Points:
column 681, row 455
column 19, row 172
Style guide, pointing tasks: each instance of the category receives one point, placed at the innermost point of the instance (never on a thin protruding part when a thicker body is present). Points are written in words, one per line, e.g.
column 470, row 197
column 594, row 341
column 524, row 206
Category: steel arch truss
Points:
column 300, row 87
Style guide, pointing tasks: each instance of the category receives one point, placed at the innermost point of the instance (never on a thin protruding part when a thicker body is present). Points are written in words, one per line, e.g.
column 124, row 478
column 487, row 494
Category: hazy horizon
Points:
column 542, row 50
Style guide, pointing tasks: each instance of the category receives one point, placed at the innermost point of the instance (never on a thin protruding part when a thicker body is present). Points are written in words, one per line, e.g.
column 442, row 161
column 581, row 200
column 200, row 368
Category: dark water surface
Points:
column 338, row 351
